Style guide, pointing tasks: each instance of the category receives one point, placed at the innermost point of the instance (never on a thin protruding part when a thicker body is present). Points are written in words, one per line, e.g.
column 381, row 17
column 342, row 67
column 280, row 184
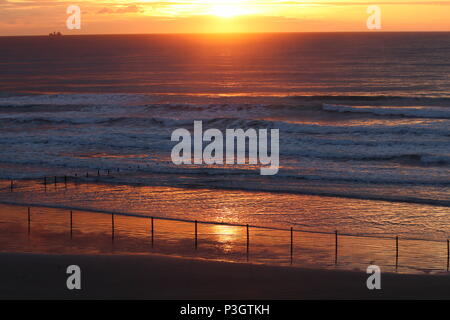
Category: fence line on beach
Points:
column 292, row 230
column 248, row 234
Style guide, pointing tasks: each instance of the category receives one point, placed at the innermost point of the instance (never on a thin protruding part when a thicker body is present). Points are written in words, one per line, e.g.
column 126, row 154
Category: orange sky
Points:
column 31, row 17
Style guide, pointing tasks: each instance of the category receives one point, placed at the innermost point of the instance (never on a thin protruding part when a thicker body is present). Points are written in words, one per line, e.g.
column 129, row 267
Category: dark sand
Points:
column 33, row 276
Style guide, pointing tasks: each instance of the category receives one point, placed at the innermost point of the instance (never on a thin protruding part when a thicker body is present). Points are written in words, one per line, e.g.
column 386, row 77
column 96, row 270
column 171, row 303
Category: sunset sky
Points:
column 34, row 17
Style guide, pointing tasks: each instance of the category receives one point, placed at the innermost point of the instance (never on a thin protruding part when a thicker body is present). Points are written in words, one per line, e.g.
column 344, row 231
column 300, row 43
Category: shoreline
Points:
column 154, row 277
column 96, row 180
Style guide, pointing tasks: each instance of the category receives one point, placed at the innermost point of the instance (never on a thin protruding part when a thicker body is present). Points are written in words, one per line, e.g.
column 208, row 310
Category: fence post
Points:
column 336, row 248
column 396, row 252
column 153, row 231
column 71, row 224
column 112, row 227
column 248, row 242
column 196, row 243
column 12, row 183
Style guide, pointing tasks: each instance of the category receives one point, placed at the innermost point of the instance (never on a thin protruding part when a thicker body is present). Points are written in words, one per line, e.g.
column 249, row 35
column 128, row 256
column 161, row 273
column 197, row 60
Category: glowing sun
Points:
column 226, row 11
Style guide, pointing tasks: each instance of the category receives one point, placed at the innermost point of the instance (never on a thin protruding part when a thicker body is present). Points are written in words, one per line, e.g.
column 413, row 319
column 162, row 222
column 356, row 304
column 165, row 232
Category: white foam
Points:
column 74, row 99
column 416, row 112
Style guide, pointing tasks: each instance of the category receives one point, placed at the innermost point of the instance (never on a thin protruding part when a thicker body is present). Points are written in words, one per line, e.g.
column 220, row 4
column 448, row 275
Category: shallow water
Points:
column 50, row 232
column 281, row 210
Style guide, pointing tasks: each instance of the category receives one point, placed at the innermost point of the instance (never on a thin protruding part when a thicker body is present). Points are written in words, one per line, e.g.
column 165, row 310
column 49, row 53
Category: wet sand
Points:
column 50, row 232
column 36, row 276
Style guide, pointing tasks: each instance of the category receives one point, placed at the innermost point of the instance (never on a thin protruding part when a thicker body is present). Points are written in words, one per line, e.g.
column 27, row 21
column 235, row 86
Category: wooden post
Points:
column 396, row 252
column 448, row 254
column 248, row 242
column 112, row 227
column 12, row 184
column 45, row 181
column 153, row 231
column 65, row 181
column 29, row 221
column 71, row 224
column 196, row 243
column 336, row 248
column 292, row 244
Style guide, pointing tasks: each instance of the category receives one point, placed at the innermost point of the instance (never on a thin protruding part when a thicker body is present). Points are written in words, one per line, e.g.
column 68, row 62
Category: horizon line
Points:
column 230, row 33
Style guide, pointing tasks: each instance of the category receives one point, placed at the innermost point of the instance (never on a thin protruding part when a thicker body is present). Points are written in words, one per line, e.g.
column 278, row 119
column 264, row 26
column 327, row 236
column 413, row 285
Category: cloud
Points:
column 122, row 9
column 351, row 2
column 124, row 6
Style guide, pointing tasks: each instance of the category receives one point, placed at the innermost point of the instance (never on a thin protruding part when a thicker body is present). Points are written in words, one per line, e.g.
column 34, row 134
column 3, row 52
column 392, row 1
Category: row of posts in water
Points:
column 65, row 179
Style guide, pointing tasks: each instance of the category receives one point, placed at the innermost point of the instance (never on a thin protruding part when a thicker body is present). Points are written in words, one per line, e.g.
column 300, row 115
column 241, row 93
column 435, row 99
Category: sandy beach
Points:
column 32, row 276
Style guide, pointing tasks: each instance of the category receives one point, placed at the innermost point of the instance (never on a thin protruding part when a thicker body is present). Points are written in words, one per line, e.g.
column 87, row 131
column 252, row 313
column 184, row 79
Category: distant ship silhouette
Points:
column 55, row 34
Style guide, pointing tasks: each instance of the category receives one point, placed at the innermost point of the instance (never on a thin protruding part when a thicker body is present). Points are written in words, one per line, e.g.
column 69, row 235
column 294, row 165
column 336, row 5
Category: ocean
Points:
column 362, row 117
